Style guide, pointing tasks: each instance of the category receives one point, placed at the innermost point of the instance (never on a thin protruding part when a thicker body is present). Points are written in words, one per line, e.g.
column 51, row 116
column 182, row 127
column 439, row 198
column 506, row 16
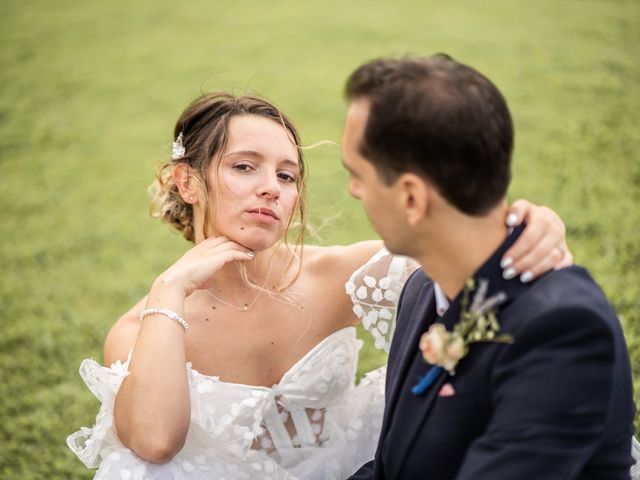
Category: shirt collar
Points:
column 442, row 302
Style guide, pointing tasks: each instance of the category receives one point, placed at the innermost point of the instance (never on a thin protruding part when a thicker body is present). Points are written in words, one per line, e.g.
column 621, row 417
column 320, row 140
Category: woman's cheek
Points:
column 291, row 203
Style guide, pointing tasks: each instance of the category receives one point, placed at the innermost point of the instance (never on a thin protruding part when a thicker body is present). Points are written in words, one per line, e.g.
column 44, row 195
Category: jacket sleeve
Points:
column 552, row 391
column 364, row 473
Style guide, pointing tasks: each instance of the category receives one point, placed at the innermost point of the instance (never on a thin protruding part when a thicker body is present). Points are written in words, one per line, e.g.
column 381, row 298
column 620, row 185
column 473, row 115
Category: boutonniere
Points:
column 478, row 323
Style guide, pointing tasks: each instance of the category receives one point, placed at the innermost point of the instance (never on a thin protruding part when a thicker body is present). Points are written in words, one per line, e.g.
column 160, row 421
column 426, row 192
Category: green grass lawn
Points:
column 90, row 92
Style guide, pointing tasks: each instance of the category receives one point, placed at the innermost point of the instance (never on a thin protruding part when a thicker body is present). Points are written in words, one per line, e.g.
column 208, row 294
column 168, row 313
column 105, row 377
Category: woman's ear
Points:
column 185, row 182
column 415, row 197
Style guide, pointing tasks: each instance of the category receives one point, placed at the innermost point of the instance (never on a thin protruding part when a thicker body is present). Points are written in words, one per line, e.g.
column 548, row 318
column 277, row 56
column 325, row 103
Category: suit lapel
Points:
column 418, row 319
column 419, row 406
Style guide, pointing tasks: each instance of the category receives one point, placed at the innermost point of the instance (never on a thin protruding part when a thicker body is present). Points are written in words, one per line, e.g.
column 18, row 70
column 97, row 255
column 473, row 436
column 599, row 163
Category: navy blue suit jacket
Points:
column 557, row 403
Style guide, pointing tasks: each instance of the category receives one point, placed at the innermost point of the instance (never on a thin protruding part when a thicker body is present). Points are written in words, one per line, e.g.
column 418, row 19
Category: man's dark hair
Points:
column 440, row 119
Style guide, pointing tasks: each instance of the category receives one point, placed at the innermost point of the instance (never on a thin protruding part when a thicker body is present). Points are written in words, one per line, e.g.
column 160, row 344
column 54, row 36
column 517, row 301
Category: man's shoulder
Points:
column 417, row 282
column 571, row 287
column 565, row 295
column 416, row 289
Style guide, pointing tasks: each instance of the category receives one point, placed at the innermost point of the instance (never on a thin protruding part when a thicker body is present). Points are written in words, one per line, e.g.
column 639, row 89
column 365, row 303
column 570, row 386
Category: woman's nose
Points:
column 270, row 187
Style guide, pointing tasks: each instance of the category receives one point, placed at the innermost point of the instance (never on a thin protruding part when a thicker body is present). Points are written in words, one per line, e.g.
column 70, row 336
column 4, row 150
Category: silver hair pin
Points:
column 178, row 149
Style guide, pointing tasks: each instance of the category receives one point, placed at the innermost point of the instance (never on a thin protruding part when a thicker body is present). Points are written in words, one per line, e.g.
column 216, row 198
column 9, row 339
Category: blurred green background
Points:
column 89, row 95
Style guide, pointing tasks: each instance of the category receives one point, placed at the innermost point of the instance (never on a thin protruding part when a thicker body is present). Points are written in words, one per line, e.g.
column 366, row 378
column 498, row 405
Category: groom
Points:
column 525, row 380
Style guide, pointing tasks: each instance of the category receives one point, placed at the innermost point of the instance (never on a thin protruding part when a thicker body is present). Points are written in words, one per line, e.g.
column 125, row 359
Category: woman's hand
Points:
column 541, row 247
column 195, row 269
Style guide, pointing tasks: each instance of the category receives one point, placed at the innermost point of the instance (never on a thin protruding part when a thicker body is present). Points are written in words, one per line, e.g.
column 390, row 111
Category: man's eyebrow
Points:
column 345, row 165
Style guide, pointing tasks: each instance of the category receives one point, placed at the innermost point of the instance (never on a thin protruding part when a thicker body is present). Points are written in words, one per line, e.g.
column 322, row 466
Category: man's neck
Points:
column 459, row 246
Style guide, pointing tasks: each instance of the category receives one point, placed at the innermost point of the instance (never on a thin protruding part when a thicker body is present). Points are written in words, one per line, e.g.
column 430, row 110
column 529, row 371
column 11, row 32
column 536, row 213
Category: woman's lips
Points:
column 263, row 215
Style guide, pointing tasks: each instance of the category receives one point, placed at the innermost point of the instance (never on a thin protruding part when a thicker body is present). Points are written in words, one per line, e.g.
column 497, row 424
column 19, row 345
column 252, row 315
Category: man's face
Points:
column 380, row 201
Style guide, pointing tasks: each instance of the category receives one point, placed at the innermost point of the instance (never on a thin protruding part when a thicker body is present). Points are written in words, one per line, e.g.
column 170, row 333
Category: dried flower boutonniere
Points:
column 478, row 323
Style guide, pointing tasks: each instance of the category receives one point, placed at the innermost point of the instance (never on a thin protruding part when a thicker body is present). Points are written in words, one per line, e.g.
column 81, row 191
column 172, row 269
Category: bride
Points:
column 263, row 326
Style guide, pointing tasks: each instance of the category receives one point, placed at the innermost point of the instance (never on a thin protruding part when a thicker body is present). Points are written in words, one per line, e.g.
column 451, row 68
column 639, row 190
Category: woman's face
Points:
column 255, row 183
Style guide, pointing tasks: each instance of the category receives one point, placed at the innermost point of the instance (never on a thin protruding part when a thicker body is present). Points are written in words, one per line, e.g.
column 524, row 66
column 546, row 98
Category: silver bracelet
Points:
column 166, row 312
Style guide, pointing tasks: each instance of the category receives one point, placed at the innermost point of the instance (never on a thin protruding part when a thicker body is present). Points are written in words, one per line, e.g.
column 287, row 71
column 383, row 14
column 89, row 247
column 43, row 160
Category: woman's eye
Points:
column 243, row 167
column 287, row 177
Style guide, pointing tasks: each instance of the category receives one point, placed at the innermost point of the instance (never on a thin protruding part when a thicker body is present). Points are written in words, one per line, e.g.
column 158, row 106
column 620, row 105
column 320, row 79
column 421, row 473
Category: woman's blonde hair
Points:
column 204, row 126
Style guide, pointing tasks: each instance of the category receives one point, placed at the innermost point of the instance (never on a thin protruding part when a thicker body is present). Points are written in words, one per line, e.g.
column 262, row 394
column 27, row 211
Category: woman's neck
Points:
column 270, row 270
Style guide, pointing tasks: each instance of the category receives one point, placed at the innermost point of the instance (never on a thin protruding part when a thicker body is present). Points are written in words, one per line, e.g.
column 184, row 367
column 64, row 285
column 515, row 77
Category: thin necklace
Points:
column 246, row 306
column 243, row 308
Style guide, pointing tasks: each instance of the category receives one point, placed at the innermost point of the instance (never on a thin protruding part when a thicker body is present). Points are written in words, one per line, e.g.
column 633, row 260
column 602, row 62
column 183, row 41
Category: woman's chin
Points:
column 256, row 242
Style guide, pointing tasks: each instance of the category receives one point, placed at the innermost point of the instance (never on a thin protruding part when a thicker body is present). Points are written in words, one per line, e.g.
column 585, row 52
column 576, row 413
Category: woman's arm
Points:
column 541, row 247
column 152, row 408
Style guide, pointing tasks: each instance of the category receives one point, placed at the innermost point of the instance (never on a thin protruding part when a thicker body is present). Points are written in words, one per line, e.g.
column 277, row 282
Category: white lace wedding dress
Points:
column 314, row 424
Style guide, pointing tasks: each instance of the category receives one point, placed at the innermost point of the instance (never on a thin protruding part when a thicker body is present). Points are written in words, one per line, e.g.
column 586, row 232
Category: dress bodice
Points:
column 315, row 423
column 277, row 432
column 282, row 417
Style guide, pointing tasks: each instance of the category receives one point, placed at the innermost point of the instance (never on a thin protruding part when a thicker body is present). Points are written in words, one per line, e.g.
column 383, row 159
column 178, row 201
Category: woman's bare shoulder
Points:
column 331, row 267
column 122, row 336
column 342, row 257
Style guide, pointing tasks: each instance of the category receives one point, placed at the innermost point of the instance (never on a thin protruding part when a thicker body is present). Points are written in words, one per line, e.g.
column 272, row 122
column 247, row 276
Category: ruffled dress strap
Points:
column 90, row 444
column 374, row 289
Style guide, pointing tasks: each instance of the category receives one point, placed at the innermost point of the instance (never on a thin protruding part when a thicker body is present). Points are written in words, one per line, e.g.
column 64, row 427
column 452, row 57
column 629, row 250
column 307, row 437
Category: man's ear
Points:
column 185, row 182
column 415, row 197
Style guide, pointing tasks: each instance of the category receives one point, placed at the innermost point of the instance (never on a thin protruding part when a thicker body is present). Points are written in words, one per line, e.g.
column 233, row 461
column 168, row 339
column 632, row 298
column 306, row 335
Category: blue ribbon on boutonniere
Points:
column 426, row 380
column 478, row 323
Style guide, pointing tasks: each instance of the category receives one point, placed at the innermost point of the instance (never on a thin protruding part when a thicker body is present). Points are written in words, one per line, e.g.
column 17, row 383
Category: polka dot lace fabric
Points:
column 374, row 290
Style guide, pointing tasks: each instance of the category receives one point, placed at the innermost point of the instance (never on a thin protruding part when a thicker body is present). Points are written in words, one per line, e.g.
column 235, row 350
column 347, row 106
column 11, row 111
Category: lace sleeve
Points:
column 90, row 444
column 374, row 289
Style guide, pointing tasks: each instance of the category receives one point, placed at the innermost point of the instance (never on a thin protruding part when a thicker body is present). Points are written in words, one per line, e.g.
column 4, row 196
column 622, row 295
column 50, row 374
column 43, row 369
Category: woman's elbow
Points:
column 157, row 448
column 151, row 442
